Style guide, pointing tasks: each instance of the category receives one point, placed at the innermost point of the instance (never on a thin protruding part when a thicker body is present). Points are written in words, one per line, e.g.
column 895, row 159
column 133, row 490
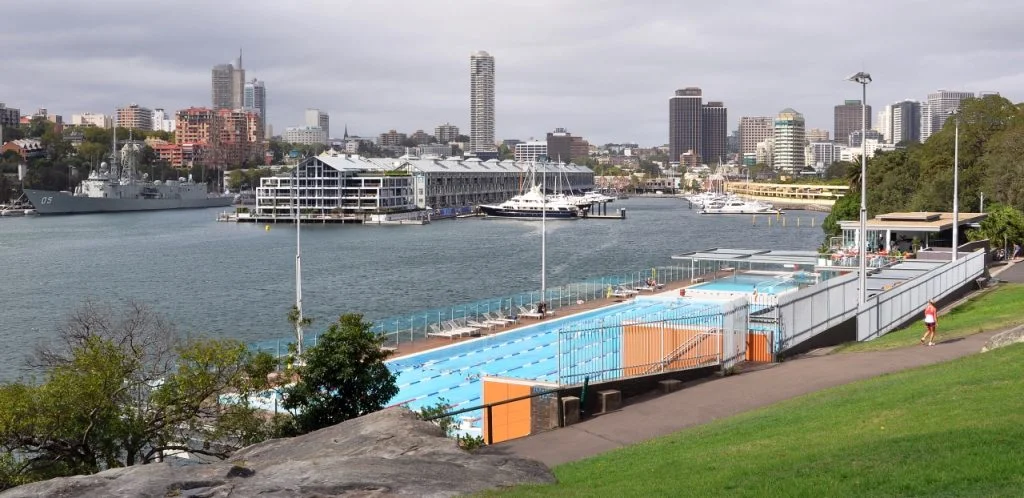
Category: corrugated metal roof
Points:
column 351, row 162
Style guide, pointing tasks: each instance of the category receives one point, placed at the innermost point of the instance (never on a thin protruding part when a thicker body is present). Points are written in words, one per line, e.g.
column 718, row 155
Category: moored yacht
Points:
column 735, row 205
column 533, row 205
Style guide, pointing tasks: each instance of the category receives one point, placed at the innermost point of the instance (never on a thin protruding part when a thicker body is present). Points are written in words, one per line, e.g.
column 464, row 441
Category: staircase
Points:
column 683, row 348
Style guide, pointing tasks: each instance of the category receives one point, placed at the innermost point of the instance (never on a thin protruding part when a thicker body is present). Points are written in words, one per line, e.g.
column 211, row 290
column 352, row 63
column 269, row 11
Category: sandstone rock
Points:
column 388, row 453
column 1005, row 338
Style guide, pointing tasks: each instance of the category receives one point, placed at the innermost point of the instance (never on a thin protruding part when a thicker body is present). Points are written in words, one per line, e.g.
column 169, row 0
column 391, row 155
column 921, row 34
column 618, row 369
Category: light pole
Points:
column 956, row 183
column 862, row 244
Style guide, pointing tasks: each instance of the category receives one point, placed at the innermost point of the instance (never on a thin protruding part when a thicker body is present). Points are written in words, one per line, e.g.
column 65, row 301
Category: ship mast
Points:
column 114, row 173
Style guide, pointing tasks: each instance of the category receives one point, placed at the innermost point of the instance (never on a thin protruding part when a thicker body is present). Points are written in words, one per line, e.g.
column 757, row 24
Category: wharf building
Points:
column 337, row 185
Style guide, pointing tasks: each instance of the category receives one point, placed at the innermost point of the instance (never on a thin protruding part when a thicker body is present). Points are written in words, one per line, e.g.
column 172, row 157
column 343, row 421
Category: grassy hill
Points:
column 953, row 429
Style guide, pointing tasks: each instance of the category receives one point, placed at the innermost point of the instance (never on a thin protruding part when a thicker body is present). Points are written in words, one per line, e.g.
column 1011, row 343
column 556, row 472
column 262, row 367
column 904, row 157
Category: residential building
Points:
column 134, row 116
column 159, row 116
column 27, row 148
column 91, row 119
column 306, row 135
column 937, row 109
column 318, row 118
column 906, row 122
column 754, row 130
column 579, row 149
column 9, row 116
column 821, row 154
column 254, row 99
column 334, row 183
column 530, row 151
column 222, row 89
column 854, row 140
column 219, row 137
column 420, row 137
column 763, row 153
column 562, row 145
column 817, row 135
column 848, row 118
column 391, row 138
column 788, row 141
column 446, row 133
column 685, row 112
column 852, row 154
column 714, row 132
column 437, row 150
column 481, row 102
column 884, row 123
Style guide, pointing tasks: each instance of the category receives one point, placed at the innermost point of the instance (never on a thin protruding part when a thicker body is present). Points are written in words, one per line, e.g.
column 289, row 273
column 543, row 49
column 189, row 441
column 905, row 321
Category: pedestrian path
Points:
column 724, row 397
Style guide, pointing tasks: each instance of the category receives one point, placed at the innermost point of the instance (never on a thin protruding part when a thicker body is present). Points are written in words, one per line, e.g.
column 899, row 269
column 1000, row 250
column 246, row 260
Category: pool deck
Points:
column 425, row 344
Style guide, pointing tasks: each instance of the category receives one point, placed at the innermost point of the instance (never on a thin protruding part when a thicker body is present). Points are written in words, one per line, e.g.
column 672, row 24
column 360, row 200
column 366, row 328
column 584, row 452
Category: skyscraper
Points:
column 754, row 130
column 788, row 141
column 481, row 102
column 714, row 129
column 937, row 109
column 315, row 118
column 254, row 99
column 228, row 83
column 883, row 125
column 685, row 113
column 906, row 121
column 237, row 82
column 848, row 120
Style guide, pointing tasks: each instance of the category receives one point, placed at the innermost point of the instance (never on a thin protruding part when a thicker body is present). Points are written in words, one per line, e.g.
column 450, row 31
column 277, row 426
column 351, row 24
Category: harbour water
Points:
column 237, row 280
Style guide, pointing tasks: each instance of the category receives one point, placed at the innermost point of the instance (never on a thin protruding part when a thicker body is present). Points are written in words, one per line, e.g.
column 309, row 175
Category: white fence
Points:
column 811, row 311
column 886, row 311
column 735, row 326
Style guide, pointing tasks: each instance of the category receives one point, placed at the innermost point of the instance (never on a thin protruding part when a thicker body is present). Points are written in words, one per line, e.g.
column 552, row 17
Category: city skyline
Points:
column 609, row 89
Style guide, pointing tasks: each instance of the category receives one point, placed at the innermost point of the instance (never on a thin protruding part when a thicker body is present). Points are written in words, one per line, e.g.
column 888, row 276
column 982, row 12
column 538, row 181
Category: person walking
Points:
column 930, row 321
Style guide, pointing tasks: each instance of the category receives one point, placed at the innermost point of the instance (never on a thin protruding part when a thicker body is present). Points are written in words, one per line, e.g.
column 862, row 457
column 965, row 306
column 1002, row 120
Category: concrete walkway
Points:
column 722, row 397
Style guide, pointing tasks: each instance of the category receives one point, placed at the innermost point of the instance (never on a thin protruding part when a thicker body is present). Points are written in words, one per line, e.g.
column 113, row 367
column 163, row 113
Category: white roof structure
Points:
column 352, row 162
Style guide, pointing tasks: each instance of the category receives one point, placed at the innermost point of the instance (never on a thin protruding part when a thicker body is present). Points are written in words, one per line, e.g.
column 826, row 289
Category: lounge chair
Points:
column 487, row 319
column 498, row 315
column 626, row 290
column 459, row 329
column 436, row 331
column 528, row 313
column 481, row 325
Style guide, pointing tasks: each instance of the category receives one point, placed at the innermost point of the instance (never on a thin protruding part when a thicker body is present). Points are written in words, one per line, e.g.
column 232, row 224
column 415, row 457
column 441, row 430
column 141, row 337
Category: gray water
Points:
column 237, row 280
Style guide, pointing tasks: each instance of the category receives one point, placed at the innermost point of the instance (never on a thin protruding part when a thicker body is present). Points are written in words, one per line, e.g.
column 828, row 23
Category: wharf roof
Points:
column 925, row 221
column 757, row 256
column 352, row 162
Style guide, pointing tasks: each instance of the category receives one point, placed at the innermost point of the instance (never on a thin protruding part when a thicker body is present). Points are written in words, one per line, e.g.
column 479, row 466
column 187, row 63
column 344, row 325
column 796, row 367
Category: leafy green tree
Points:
column 122, row 389
column 846, row 208
column 343, row 376
column 1004, row 225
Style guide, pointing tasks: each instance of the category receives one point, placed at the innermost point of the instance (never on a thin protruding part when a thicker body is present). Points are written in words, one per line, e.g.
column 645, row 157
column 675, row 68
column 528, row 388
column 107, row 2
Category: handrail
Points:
column 680, row 350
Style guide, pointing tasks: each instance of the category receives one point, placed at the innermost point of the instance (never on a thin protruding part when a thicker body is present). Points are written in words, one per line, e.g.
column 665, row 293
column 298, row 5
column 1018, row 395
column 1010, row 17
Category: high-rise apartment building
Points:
column 134, row 116
column 563, row 146
column 714, row 132
column 821, row 154
column 319, row 119
column 306, row 135
column 220, row 137
column 685, row 110
column 906, row 122
column 9, row 116
column 883, row 125
column 392, row 138
column 90, row 119
column 228, row 82
column 446, row 133
column 788, row 141
column 159, row 116
column 481, row 102
column 754, row 130
column 937, row 109
column 254, row 99
column 848, row 119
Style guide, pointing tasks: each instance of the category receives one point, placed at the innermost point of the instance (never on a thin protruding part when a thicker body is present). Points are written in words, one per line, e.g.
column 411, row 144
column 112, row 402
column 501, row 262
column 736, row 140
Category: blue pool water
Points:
column 453, row 373
column 747, row 283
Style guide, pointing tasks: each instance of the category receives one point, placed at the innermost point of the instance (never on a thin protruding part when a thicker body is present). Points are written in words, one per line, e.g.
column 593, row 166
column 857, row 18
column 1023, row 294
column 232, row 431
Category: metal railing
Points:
column 888, row 310
column 488, row 412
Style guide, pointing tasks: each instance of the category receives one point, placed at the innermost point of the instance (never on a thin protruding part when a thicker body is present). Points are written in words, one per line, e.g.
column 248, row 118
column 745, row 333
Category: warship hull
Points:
column 47, row 202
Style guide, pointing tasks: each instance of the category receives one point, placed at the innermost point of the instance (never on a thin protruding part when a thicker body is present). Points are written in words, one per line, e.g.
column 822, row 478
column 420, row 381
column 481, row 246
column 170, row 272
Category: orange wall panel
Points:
column 511, row 420
column 758, row 348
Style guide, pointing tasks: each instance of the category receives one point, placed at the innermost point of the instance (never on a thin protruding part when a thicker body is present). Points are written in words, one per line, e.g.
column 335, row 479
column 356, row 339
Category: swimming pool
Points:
column 453, row 372
column 747, row 283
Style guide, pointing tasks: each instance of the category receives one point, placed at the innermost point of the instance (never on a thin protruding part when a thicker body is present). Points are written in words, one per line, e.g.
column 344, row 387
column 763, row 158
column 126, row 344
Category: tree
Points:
column 1004, row 225
column 846, row 208
column 343, row 376
column 122, row 389
column 297, row 321
column 839, row 170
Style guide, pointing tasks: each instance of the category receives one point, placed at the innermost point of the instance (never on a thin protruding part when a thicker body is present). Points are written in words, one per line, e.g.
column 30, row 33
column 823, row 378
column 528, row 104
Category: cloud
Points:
column 603, row 69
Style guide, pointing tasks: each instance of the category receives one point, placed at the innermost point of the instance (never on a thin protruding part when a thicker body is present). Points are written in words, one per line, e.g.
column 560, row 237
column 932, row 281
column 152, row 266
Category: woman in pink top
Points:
column 930, row 321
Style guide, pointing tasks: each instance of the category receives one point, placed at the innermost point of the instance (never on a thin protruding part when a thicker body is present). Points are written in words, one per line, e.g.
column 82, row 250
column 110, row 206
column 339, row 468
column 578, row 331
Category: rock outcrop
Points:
column 388, row 453
column 1005, row 338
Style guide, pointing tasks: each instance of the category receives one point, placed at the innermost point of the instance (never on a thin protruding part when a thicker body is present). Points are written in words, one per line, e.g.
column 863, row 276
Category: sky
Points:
column 602, row 69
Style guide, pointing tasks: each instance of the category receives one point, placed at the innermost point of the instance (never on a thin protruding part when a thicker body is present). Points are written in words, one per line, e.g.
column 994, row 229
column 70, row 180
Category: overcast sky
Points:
column 602, row 69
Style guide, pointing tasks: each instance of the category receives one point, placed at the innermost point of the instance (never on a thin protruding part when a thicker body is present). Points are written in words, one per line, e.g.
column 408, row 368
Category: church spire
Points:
column 346, row 130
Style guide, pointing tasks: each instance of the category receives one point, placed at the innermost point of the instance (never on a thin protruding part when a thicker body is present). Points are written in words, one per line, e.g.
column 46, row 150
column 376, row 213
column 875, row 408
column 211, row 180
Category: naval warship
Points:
column 115, row 189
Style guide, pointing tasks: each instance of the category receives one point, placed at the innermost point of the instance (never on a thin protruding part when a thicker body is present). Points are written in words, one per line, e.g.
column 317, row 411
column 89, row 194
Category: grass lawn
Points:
column 953, row 429
column 998, row 308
